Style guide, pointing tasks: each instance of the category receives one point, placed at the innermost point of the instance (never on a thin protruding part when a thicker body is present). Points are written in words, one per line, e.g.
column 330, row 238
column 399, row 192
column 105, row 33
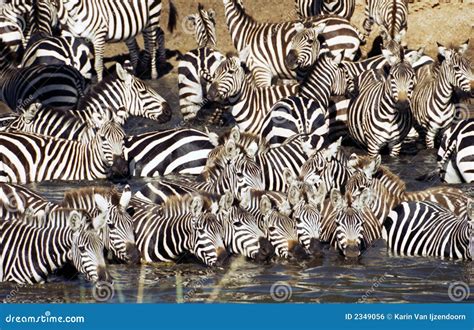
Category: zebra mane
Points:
column 394, row 14
column 96, row 90
column 241, row 11
column 181, row 203
column 72, row 196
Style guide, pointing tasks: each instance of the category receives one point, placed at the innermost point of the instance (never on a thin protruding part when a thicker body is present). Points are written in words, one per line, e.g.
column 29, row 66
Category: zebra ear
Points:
column 463, row 47
column 252, row 150
column 294, row 195
column 245, row 197
column 339, row 57
column 371, row 168
column 317, row 196
column 299, row 27
column 124, row 75
column 235, row 133
column 31, row 112
column 337, row 200
column 231, row 150
column 470, row 209
column 353, row 161
column 99, row 222
column 288, row 176
column 226, row 201
column 190, row 23
column 101, row 203
column 331, row 151
column 75, row 221
column 441, row 50
column 244, row 55
column 212, row 15
column 265, row 204
column 125, row 198
column 196, row 206
column 213, row 137
column 319, row 28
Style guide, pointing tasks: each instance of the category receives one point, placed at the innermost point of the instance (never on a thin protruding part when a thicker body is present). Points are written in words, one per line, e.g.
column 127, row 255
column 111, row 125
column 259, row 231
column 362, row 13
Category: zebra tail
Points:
column 173, row 17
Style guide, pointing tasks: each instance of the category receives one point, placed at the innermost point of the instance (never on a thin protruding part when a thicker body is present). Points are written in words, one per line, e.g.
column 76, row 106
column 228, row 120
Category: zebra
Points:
column 380, row 116
column 432, row 104
column 309, row 8
column 118, row 234
column 21, row 87
column 116, row 21
column 182, row 225
column 429, row 230
column 203, row 24
column 296, row 115
column 193, row 87
column 306, row 205
column 178, row 151
column 125, row 91
column 390, row 15
column 62, row 50
column 15, row 21
column 351, row 228
column 248, row 102
column 53, row 247
column 389, row 190
column 267, row 55
column 27, row 158
column 11, row 34
column 243, row 235
column 455, row 163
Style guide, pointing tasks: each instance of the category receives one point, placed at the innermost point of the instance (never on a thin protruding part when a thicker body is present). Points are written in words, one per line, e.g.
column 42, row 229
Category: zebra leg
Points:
column 134, row 52
column 99, row 47
column 367, row 25
column 430, row 138
column 150, row 37
column 161, row 46
column 395, row 150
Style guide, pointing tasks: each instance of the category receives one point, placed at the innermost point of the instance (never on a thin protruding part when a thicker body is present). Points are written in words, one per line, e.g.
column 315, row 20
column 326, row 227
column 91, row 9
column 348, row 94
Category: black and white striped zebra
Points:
column 203, row 24
column 177, row 151
column 62, row 50
column 429, row 230
column 267, row 54
column 193, row 87
column 432, row 103
column 351, row 228
column 26, row 157
column 390, row 15
column 29, row 254
column 54, row 85
column 296, row 115
column 183, row 226
column 248, row 103
column 105, row 20
column 11, row 34
column 455, row 161
column 123, row 91
column 380, row 115
column 15, row 22
column 308, row 8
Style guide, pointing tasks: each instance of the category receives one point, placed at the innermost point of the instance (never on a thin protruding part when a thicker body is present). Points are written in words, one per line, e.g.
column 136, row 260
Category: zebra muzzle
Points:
column 316, row 248
column 213, row 93
column 133, row 255
column 291, row 60
column 296, row 250
column 352, row 251
column 166, row 113
column 119, row 169
column 266, row 250
column 103, row 275
column 222, row 256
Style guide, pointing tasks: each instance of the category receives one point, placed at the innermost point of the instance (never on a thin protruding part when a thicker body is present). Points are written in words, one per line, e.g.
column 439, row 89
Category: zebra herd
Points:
column 279, row 184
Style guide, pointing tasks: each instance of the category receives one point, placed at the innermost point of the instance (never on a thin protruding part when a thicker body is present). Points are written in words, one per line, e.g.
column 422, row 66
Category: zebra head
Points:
column 110, row 138
column 307, row 204
column 118, row 233
column 458, row 67
column 208, row 243
column 305, row 46
column 87, row 251
column 203, row 25
column 400, row 79
column 242, row 233
column 142, row 100
column 349, row 236
column 281, row 231
column 228, row 79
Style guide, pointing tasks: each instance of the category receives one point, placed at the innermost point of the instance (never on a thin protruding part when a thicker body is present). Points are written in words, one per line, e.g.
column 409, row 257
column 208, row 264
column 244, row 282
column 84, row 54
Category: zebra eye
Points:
column 310, row 41
column 271, row 228
column 111, row 225
column 82, row 249
column 456, row 68
column 238, row 224
column 240, row 174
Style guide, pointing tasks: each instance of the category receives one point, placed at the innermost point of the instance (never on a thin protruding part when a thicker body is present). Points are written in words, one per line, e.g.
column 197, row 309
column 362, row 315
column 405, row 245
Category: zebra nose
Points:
column 103, row 275
column 132, row 253
column 213, row 93
column 296, row 250
column 222, row 256
column 119, row 169
column 166, row 113
column 291, row 59
column 316, row 247
column 266, row 251
column 352, row 251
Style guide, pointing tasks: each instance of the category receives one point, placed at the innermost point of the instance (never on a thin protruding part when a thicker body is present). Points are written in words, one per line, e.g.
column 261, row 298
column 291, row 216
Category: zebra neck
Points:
column 109, row 93
column 93, row 162
column 239, row 23
column 317, row 86
column 443, row 90
column 56, row 244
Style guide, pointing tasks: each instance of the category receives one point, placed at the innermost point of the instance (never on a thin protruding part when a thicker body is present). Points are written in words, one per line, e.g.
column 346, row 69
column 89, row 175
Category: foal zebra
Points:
column 432, row 102
column 308, row 8
column 115, row 21
column 267, row 54
column 380, row 115
column 33, row 158
column 29, row 254
column 429, row 230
